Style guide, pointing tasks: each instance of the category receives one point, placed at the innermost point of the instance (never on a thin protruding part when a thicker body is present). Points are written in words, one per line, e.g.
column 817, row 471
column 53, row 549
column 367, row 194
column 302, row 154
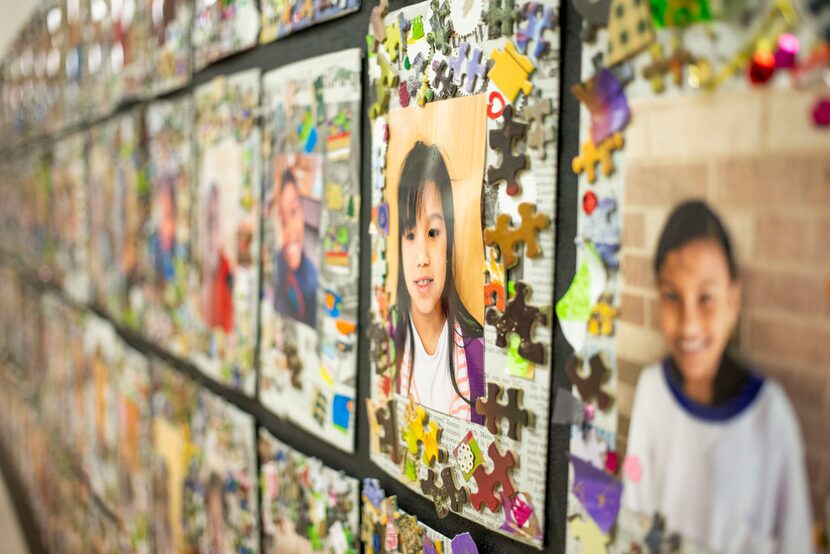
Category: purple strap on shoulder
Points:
column 474, row 353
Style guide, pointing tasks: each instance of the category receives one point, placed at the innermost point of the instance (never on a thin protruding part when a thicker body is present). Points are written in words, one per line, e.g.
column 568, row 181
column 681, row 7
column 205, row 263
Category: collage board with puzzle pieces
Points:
column 463, row 117
column 323, row 276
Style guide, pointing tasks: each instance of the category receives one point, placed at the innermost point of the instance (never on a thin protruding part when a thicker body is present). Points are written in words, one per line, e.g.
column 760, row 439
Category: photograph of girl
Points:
column 439, row 342
column 718, row 445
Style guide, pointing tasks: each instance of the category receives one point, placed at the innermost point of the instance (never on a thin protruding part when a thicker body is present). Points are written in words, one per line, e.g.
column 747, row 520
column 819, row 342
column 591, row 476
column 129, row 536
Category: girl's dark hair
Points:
column 690, row 221
column 288, row 179
column 424, row 164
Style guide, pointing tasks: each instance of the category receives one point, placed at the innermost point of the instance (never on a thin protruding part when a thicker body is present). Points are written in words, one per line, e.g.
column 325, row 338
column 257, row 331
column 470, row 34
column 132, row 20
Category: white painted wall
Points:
column 13, row 15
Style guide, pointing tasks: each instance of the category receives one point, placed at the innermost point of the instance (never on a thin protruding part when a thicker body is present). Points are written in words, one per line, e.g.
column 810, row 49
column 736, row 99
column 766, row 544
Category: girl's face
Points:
column 292, row 223
column 699, row 305
column 424, row 254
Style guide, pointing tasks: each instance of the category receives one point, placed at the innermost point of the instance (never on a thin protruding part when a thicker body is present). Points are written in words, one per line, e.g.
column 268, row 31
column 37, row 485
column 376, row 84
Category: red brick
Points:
column 628, row 371
column 785, row 290
column 804, row 388
column 802, row 344
column 821, row 239
column 632, row 309
column 633, row 230
column 654, row 313
column 637, row 271
column 781, row 238
column 665, row 184
column 773, row 180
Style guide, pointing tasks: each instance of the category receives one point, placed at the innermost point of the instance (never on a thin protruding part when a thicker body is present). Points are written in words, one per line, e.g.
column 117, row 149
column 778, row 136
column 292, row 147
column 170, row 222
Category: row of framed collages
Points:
column 122, row 452
column 165, row 216
column 77, row 60
column 156, row 218
column 640, row 57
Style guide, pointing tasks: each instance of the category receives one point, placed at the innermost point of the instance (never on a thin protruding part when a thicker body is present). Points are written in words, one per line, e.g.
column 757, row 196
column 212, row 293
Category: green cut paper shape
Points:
column 576, row 303
column 679, row 13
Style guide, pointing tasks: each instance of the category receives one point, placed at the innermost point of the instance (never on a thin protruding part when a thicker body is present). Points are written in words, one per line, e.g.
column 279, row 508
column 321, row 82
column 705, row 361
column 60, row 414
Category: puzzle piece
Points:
column 385, row 415
column 603, row 314
column 294, row 364
column 476, row 70
column 443, row 79
column 500, row 17
column 404, row 25
column 660, row 66
column 446, row 492
column 439, row 35
column 594, row 16
column 393, row 41
column 421, row 429
column 591, row 155
column 504, row 140
column 381, row 347
column 510, row 72
column 519, row 318
column 413, row 82
column 378, row 27
column 629, row 29
column 388, row 80
column 499, row 476
column 507, row 238
column 590, row 387
column 589, row 535
column 493, row 411
column 657, row 541
column 456, row 63
column 539, row 135
column 539, row 17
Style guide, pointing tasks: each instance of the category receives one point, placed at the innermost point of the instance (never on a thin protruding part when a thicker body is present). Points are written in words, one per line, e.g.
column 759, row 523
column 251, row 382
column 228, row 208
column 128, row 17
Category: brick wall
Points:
column 755, row 156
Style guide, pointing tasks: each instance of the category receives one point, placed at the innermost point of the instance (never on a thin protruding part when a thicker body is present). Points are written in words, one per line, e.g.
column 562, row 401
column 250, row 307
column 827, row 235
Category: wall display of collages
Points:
column 280, row 18
column 69, row 215
column 387, row 528
column 306, row 506
column 169, row 44
column 204, row 474
column 225, row 241
column 462, row 258
column 308, row 352
column 116, row 177
column 221, row 29
column 635, row 56
column 158, row 296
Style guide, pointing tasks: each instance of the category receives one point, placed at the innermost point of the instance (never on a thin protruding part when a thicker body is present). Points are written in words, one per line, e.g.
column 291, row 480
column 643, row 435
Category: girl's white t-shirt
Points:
column 432, row 376
column 734, row 483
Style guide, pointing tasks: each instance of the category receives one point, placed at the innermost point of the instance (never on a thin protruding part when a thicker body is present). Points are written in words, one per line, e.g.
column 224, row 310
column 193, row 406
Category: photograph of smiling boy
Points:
column 436, row 252
column 217, row 272
column 295, row 209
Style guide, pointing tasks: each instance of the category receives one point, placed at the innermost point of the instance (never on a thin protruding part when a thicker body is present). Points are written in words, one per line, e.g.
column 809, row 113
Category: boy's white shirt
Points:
column 733, row 486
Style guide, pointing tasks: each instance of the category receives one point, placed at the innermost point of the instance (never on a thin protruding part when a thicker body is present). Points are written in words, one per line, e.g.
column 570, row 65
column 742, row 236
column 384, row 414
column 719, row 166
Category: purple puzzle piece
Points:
column 536, row 26
column 464, row 544
column 373, row 492
column 598, row 492
column 456, row 62
column 476, row 68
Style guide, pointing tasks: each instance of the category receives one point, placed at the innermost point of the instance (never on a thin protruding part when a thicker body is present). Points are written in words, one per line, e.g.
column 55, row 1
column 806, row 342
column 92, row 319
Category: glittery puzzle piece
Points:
column 476, row 70
column 494, row 411
column 441, row 25
column 413, row 432
column 510, row 72
column 539, row 17
column 594, row 16
column 443, row 82
column 500, row 17
column 504, row 139
column 661, row 66
column 590, row 387
column 508, row 238
column 519, row 318
column 498, row 477
column 456, row 63
column 591, row 155
column 539, row 135
column 446, row 496
column 388, row 80
column 385, row 415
